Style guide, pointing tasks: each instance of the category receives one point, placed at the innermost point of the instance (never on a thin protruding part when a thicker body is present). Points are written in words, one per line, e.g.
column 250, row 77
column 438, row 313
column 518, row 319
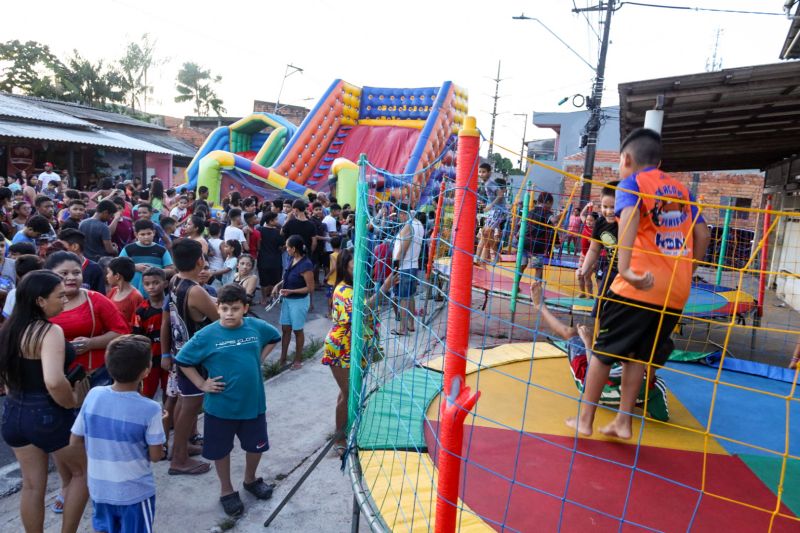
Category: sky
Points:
column 413, row 43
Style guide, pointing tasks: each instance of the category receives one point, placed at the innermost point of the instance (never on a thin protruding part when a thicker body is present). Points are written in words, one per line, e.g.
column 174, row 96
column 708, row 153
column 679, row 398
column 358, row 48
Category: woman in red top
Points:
column 89, row 320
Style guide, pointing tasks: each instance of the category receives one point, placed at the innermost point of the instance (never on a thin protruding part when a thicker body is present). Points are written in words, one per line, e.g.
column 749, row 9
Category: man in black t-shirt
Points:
column 269, row 255
column 603, row 246
column 298, row 224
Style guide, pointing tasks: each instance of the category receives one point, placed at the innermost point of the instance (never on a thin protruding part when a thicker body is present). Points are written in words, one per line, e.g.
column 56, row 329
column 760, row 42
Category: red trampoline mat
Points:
column 546, row 464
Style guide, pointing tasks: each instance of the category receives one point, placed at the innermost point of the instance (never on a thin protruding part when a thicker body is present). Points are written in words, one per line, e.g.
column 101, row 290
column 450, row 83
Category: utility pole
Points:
column 594, row 104
column 497, row 81
column 524, row 134
column 714, row 63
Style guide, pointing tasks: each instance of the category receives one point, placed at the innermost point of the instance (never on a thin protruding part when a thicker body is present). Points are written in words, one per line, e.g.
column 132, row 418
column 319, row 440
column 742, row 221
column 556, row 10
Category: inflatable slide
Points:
column 259, row 137
column 406, row 134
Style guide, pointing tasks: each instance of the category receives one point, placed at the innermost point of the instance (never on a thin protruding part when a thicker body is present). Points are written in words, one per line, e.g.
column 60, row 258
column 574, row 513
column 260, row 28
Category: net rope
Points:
column 394, row 438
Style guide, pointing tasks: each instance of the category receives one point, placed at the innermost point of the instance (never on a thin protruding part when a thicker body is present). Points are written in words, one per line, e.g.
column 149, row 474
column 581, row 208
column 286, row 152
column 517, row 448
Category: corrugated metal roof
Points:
column 97, row 137
column 165, row 140
column 94, row 114
column 30, row 109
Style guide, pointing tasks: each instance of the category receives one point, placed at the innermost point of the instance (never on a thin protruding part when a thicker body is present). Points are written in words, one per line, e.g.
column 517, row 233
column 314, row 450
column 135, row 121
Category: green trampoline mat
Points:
column 768, row 470
column 394, row 415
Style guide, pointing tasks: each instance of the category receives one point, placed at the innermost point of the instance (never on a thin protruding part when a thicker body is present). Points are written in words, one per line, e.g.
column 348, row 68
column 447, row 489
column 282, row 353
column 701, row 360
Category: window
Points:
column 735, row 201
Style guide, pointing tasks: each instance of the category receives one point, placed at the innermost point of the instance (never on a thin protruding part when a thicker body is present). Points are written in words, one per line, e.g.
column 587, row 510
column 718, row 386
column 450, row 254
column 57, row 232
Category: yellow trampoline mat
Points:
column 509, row 401
column 500, row 355
column 403, row 487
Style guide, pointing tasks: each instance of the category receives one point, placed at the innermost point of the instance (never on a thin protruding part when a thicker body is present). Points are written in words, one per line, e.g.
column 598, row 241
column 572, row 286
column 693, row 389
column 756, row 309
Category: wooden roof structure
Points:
column 737, row 118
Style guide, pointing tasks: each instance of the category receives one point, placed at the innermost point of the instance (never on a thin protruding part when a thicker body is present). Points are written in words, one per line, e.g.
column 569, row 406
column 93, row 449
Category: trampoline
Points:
column 561, row 290
column 528, row 471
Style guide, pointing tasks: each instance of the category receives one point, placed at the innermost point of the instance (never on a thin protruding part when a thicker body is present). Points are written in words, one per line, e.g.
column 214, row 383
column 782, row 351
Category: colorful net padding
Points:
column 457, row 409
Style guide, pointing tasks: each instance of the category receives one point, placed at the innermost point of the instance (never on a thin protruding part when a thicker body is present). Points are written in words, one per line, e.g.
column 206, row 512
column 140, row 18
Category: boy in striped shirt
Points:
column 146, row 253
column 122, row 433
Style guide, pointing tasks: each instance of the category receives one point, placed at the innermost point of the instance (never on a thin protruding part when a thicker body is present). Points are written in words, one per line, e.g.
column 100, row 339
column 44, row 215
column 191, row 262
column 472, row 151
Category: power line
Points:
column 710, row 9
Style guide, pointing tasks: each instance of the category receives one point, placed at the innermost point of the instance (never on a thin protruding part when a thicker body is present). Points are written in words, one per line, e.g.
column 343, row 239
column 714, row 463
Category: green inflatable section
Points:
column 768, row 470
column 395, row 414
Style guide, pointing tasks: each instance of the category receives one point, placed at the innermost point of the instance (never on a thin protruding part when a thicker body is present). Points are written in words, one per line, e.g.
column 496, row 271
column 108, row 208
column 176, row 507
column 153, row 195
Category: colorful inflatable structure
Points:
column 259, row 137
column 404, row 132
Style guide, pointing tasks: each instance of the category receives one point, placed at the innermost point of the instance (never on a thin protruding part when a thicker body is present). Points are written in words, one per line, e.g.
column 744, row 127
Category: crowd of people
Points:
column 116, row 298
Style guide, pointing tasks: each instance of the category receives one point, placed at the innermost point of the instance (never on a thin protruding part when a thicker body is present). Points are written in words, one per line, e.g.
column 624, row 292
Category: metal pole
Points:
column 300, row 481
column 723, row 246
column 524, row 134
column 360, row 275
column 594, row 105
column 497, row 81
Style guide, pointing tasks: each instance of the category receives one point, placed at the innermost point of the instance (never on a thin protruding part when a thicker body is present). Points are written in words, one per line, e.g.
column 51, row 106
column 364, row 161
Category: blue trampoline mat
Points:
column 743, row 415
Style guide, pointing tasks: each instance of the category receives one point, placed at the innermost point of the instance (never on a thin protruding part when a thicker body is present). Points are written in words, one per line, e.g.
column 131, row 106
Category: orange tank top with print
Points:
column 663, row 244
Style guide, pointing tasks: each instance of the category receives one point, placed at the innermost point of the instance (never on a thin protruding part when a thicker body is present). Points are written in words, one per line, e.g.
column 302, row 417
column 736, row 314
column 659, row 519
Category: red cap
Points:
column 48, row 163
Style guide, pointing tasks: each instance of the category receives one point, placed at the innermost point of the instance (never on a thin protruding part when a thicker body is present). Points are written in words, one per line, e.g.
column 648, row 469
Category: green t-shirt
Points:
column 234, row 354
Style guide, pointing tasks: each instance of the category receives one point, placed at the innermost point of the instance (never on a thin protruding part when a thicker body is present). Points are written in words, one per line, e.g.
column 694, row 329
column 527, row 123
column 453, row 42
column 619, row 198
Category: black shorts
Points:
column 218, row 435
column 269, row 275
column 630, row 332
column 35, row 418
column 185, row 385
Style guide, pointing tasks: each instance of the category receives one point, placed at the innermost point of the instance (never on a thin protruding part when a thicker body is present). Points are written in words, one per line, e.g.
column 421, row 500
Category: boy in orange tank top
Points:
column 660, row 238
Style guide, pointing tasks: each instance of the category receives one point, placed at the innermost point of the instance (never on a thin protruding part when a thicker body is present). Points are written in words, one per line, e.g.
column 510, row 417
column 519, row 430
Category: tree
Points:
column 90, row 83
column 29, row 67
column 135, row 67
column 502, row 164
column 195, row 84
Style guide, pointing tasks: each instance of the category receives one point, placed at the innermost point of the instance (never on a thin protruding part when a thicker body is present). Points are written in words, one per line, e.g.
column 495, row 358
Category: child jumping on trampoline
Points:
column 579, row 338
column 659, row 236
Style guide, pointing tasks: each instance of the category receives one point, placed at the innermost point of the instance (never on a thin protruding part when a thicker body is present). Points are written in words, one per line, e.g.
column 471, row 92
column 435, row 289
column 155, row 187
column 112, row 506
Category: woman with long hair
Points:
column 157, row 200
column 295, row 289
column 337, row 348
column 21, row 212
column 195, row 226
column 89, row 320
column 40, row 406
column 245, row 275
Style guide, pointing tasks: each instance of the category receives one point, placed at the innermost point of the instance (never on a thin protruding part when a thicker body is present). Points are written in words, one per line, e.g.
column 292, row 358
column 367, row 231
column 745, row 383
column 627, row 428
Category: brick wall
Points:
column 710, row 186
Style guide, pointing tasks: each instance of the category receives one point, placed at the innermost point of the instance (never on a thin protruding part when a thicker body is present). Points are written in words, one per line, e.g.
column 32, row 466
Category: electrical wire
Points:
column 710, row 9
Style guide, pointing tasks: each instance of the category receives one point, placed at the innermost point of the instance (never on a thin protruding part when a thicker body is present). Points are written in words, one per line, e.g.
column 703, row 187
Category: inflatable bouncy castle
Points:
column 407, row 135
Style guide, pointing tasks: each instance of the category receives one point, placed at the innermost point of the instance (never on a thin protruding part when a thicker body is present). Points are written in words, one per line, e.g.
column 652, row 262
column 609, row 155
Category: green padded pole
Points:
column 723, row 246
column 359, row 294
column 523, row 227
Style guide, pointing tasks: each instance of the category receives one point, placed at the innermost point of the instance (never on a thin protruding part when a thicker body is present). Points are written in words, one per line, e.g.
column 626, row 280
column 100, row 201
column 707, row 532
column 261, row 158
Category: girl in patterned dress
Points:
column 336, row 354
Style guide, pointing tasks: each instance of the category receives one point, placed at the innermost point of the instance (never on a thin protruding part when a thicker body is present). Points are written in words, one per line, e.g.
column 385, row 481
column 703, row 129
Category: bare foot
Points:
column 583, row 429
column 617, row 430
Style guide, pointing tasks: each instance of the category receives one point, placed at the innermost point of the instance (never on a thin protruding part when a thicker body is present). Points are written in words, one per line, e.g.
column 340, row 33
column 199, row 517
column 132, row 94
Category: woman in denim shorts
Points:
column 40, row 406
column 295, row 290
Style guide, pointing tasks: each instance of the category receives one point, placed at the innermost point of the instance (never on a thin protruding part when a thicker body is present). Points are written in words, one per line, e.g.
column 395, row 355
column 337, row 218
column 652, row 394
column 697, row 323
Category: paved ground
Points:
column 300, row 417
column 300, row 408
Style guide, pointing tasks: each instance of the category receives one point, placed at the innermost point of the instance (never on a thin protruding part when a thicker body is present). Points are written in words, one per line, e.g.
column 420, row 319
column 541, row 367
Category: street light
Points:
column 525, row 17
column 286, row 74
column 524, row 134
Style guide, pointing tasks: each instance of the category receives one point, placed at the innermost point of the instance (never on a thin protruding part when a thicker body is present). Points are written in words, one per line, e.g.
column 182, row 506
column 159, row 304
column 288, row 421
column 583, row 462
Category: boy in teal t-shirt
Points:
column 232, row 350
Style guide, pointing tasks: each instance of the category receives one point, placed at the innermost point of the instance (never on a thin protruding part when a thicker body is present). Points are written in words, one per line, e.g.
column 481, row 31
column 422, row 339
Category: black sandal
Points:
column 197, row 439
column 232, row 504
column 259, row 489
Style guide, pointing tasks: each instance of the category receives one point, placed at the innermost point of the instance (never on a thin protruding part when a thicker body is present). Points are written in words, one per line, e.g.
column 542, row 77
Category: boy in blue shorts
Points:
column 232, row 350
column 122, row 433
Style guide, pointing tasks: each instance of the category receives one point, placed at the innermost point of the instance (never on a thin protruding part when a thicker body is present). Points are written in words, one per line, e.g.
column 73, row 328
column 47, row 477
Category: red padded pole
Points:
column 458, row 397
